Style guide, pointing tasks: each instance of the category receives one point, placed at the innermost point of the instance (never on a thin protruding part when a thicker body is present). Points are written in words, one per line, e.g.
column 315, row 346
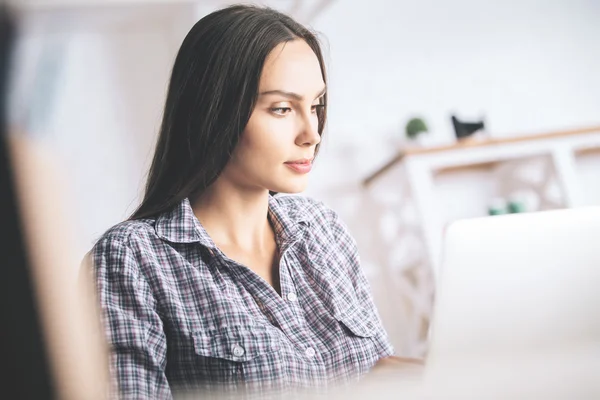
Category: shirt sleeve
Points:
column 133, row 328
column 348, row 246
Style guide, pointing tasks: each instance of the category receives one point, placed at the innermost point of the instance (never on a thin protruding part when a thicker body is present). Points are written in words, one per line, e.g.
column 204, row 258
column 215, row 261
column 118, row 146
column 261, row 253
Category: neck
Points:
column 233, row 217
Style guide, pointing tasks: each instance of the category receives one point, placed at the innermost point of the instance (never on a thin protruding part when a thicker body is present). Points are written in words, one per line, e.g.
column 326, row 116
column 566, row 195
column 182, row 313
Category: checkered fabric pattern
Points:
column 180, row 315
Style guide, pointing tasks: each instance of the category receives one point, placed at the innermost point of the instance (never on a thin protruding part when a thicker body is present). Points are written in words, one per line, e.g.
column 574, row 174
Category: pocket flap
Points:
column 358, row 321
column 236, row 343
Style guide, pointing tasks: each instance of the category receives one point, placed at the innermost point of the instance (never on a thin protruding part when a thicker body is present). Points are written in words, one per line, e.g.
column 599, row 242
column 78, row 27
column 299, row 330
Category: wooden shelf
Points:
column 481, row 144
column 477, row 142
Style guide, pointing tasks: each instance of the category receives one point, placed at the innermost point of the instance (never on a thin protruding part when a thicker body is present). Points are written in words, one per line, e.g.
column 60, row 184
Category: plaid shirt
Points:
column 181, row 315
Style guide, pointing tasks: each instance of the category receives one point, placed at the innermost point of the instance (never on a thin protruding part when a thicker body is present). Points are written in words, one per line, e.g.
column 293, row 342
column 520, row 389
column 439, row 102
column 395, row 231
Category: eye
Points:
column 281, row 110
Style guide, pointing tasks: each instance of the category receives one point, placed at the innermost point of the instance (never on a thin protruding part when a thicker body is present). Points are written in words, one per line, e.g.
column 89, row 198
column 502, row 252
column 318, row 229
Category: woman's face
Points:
column 276, row 149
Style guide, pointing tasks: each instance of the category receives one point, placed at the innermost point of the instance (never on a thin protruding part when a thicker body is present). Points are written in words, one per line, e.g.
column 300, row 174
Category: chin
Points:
column 289, row 187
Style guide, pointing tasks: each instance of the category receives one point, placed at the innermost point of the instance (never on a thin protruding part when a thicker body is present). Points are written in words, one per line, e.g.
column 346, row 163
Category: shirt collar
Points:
column 288, row 222
column 180, row 225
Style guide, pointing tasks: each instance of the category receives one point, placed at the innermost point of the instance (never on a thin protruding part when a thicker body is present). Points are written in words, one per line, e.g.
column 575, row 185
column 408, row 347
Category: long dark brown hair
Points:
column 212, row 93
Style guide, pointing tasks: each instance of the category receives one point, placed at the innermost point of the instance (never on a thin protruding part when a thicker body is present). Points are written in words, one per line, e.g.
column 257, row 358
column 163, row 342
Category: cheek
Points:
column 264, row 139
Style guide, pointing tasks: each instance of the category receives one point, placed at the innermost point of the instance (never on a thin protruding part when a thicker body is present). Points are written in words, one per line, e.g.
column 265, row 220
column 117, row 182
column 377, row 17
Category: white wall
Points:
column 527, row 66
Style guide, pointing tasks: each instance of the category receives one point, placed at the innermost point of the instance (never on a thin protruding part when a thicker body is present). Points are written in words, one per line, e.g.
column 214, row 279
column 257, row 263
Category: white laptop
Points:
column 518, row 306
column 517, row 312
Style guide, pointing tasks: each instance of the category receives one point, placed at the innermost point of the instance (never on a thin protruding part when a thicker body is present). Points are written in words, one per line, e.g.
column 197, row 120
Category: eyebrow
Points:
column 291, row 95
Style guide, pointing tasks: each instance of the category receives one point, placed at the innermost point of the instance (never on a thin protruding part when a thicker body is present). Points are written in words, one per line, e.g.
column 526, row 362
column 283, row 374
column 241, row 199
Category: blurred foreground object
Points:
column 52, row 346
column 65, row 297
column 24, row 371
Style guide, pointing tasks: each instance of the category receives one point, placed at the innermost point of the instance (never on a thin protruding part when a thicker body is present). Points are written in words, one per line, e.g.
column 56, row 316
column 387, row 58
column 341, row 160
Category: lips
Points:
column 302, row 166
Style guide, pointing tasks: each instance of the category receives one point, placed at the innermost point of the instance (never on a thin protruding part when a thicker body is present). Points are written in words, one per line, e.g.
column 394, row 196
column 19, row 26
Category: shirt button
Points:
column 238, row 350
column 310, row 352
column 292, row 297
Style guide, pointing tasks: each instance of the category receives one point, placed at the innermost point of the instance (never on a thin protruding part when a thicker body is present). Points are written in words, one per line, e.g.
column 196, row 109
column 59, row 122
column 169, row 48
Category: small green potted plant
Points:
column 415, row 129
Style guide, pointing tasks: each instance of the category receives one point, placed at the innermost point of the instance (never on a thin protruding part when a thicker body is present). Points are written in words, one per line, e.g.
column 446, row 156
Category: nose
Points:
column 309, row 132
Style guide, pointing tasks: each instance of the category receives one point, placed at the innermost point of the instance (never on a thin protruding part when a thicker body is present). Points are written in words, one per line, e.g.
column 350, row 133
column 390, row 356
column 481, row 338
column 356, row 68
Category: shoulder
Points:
column 127, row 231
column 124, row 238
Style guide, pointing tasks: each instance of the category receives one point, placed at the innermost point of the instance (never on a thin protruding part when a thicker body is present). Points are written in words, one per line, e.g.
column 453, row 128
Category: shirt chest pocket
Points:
column 239, row 354
column 236, row 343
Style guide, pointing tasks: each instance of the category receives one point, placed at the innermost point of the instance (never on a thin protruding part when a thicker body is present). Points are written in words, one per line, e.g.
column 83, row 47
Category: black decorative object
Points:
column 466, row 129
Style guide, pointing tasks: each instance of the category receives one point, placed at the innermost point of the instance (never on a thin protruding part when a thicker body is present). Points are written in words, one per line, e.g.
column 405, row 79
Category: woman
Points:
column 214, row 283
